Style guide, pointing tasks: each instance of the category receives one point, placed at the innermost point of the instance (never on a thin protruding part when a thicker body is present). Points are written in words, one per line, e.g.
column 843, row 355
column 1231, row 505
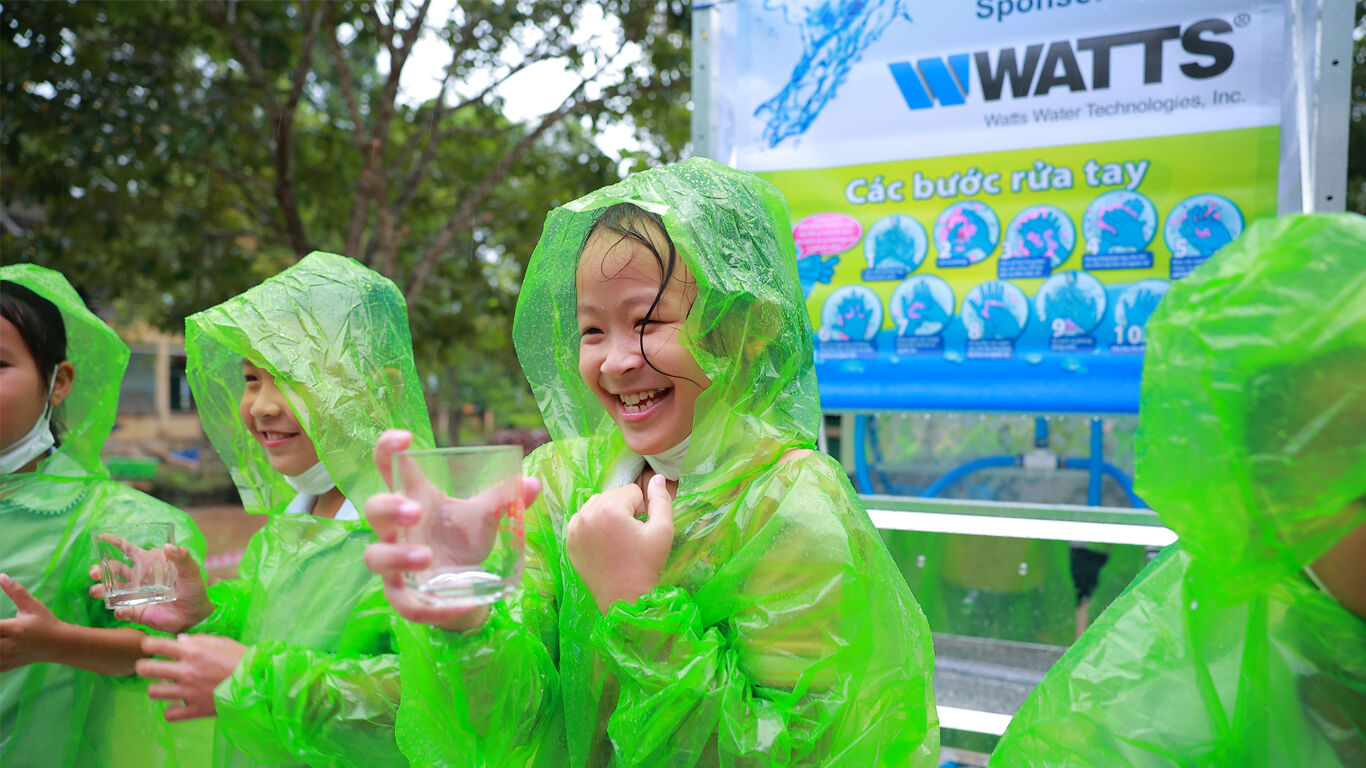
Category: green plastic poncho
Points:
column 50, row 714
column 1252, row 447
column 781, row 633
column 318, row 684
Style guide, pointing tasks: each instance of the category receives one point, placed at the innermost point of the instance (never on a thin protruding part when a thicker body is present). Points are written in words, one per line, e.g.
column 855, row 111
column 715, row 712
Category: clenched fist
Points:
column 618, row 555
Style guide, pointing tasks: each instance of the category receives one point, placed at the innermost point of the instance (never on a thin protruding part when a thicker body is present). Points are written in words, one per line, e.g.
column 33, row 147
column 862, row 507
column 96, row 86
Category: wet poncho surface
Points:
column 781, row 633
column 319, row 682
column 1252, row 447
column 54, row 715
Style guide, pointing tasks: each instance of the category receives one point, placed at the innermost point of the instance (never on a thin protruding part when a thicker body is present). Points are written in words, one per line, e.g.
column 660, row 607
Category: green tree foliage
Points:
column 167, row 155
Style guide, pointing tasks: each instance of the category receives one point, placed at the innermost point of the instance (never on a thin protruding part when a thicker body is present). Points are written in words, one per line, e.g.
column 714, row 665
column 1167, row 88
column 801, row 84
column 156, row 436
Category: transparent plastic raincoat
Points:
column 781, row 632
column 50, row 714
column 319, row 682
column 1252, row 447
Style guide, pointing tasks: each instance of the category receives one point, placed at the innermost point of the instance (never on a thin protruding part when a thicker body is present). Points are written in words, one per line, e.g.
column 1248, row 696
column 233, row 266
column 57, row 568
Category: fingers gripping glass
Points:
column 133, row 560
column 471, row 501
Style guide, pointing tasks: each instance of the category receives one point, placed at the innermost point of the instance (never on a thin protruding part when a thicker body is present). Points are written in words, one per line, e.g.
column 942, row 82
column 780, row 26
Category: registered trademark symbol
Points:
column 1242, row 20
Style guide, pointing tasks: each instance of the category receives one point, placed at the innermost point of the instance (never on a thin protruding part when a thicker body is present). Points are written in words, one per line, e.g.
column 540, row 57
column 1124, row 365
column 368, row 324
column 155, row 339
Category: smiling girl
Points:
column 294, row 657
column 701, row 587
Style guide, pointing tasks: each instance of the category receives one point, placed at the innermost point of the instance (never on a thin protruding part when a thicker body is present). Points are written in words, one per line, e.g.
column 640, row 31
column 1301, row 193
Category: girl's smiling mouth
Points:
column 636, row 406
column 274, row 439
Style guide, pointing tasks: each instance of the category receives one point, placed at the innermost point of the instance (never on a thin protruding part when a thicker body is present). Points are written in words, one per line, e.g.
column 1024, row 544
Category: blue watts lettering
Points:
column 1039, row 68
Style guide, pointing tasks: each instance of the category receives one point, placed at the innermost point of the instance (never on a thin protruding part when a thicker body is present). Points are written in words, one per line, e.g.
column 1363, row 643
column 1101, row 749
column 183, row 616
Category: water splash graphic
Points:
column 835, row 33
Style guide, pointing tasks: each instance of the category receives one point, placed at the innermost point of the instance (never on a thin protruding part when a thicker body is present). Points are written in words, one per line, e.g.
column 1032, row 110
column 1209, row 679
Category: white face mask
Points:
column 36, row 442
column 670, row 462
column 314, row 481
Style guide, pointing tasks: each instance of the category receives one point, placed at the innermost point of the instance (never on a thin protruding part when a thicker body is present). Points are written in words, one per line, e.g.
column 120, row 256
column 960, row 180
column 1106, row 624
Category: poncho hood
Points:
column 335, row 337
column 1253, row 413
column 748, row 327
column 99, row 357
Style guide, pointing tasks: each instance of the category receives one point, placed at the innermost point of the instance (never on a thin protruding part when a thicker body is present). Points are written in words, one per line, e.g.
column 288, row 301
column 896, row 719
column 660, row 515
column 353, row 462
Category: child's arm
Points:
column 490, row 694
column 802, row 648
column 285, row 704
column 98, row 642
column 36, row 636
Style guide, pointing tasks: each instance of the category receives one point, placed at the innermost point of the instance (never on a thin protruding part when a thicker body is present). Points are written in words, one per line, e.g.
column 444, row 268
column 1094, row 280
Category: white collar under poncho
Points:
column 629, row 464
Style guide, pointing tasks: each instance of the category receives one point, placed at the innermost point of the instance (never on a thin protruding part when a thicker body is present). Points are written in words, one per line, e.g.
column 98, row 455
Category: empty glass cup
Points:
column 471, row 499
column 133, row 559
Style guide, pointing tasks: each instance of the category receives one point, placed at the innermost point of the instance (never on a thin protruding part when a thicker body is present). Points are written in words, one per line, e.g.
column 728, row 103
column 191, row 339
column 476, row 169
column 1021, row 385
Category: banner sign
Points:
column 990, row 197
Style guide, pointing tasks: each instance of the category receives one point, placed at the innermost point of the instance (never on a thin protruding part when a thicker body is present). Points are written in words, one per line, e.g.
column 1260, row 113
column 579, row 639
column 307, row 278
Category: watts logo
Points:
column 949, row 82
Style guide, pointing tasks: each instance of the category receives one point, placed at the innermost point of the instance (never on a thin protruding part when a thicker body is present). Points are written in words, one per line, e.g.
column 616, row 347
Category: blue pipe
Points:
column 888, row 486
column 1098, row 469
column 967, row 468
column 1096, row 465
column 1117, row 474
column 861, row 476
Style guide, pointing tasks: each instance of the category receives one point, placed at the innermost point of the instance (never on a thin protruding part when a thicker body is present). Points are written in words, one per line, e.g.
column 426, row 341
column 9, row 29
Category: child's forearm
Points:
column 104, row 651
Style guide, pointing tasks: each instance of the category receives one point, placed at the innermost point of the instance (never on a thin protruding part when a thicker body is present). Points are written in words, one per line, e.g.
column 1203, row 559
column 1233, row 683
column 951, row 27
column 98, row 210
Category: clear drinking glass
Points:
column 133, row 560
column 471, row 499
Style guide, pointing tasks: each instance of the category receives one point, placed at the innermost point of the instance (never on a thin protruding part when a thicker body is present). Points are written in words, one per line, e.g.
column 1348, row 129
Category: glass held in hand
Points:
column 133, row 560
column 471, row 501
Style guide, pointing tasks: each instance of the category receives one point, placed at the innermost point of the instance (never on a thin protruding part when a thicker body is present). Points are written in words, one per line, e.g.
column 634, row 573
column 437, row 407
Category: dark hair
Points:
column 632, row 223
column 40, row 325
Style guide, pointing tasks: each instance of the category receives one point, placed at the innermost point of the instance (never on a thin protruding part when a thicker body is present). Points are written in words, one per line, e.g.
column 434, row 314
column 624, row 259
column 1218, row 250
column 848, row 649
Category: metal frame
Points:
column 975, row 720
column 1321, row 70
column 706, row 79
column 1053, row 522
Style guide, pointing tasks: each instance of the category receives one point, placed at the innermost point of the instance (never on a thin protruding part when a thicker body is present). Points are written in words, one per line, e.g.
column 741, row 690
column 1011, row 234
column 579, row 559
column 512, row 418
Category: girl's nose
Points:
column 623, row 356
column 267, row 403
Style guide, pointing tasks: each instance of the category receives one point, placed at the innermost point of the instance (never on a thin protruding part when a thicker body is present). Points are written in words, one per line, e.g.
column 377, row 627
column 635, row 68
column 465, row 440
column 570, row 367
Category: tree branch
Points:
column 344, row 75
column 374, row 180
column 465, row 215
column 285, row 191
column 282, row 144
column 417, row 171
column 364, row 192
column 305, row 64
column 360, row 205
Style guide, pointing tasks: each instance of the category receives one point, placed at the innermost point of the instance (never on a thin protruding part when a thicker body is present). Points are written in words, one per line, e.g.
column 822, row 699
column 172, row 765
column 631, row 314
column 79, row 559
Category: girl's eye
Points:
column 589, row 332
column 251, row 378
column 645, row 321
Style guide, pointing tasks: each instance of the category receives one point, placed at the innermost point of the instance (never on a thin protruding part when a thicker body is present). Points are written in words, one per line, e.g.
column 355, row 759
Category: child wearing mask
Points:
column 67, row 695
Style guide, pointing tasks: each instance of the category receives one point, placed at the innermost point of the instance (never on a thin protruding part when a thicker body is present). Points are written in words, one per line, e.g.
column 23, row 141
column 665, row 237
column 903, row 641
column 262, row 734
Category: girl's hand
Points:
column 190, row 607
column 618, row 556
column 391, row 513
column 31, row 636
column 198, row 664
